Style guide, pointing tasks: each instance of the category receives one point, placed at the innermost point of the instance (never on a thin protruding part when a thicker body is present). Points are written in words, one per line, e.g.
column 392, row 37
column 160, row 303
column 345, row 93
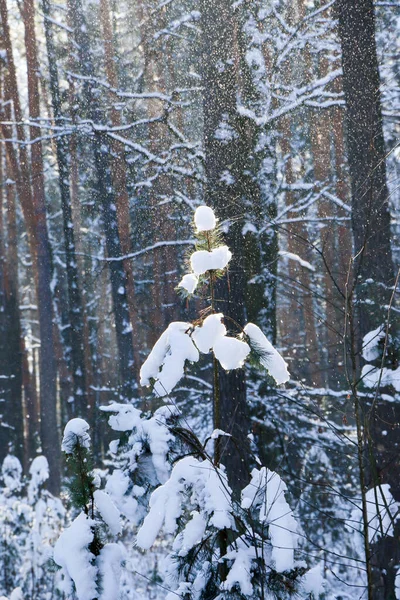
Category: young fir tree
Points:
column 90, row 567
column 224, row 546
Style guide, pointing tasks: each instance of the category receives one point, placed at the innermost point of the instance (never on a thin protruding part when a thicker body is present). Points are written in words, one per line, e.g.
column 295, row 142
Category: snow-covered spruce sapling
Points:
column 224, row 547
column 90, row 567
column 183, row 342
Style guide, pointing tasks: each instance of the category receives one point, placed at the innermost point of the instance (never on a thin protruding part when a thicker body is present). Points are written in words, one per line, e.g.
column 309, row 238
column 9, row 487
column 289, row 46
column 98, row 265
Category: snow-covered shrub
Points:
column 164, row 479
column 46, row 521
column 142, row 455
column 15, row 516
column 30, row 521
column 223, row 549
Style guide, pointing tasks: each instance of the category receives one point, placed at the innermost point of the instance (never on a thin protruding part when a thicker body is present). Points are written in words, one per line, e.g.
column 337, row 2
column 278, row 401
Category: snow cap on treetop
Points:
column 76, row 431
column 11, row 472
column 204, row 218
column 39, row 469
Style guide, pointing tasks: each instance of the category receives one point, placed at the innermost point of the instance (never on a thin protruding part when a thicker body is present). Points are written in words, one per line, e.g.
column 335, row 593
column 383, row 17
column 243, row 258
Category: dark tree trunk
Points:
column 223, row 166
column 366, row 157
column 75, row 316
column 101, row 150
column 48, row 369
column 11, row 413
column 374, row 270
column 33, row 206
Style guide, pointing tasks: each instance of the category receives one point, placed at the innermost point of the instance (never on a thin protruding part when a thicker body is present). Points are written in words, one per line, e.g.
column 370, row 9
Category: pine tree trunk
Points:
column 119, row 176
column 33, row 205
column 48, row 369
column 224, row 164
column 101, row 151
column 75, row 316
column 301, row 304
column 374, row 271
column 11, row 411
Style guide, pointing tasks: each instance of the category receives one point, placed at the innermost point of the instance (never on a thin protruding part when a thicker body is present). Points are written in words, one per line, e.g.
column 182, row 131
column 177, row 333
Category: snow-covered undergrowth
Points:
column 30, row 521
column 164, row 483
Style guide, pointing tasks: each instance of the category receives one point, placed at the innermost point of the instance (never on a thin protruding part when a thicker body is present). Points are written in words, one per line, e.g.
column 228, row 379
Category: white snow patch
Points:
column 241, row 570
column 189, row 283
column 209, row 488
column 314, row 581
column 205, row 335
column 397, row 584
column 166, row 361
column 76, row 431
column 202, row 261
column 11, row 472
column 266, row 491
column 125, row 418
column 370, row 343
column 217, row 433
column 204, row 218
column 108, row 511
column 382, row 508
column 72, row 554
column 295, row 257
column 231, row 352
column 109, row 564
column 191, row 535
column 372, row 376
column 270, row 358
column 39, row 472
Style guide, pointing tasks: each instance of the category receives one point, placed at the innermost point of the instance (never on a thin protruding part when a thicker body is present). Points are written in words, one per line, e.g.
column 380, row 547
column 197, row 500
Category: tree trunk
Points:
column 301, row 304
column 101, row 150
column 75, row 310
column 119, row 177
column 374, row 271
column 33, row 205
column 11, row 420
column 223, row 192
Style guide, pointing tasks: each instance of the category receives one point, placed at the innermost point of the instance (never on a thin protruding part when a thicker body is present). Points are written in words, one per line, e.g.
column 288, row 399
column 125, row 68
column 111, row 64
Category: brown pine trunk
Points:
column 332, row 340
column 165, row 258
column 302, row 339
column 119, row 176
column 374, row 269
column 222, row 158
column 33, row 204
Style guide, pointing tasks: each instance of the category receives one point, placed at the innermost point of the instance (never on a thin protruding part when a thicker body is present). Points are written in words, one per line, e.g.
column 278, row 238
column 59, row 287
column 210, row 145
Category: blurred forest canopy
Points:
column 117, row 120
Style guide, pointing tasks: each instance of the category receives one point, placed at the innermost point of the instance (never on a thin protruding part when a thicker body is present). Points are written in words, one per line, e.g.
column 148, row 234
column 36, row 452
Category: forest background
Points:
column 117, row 121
